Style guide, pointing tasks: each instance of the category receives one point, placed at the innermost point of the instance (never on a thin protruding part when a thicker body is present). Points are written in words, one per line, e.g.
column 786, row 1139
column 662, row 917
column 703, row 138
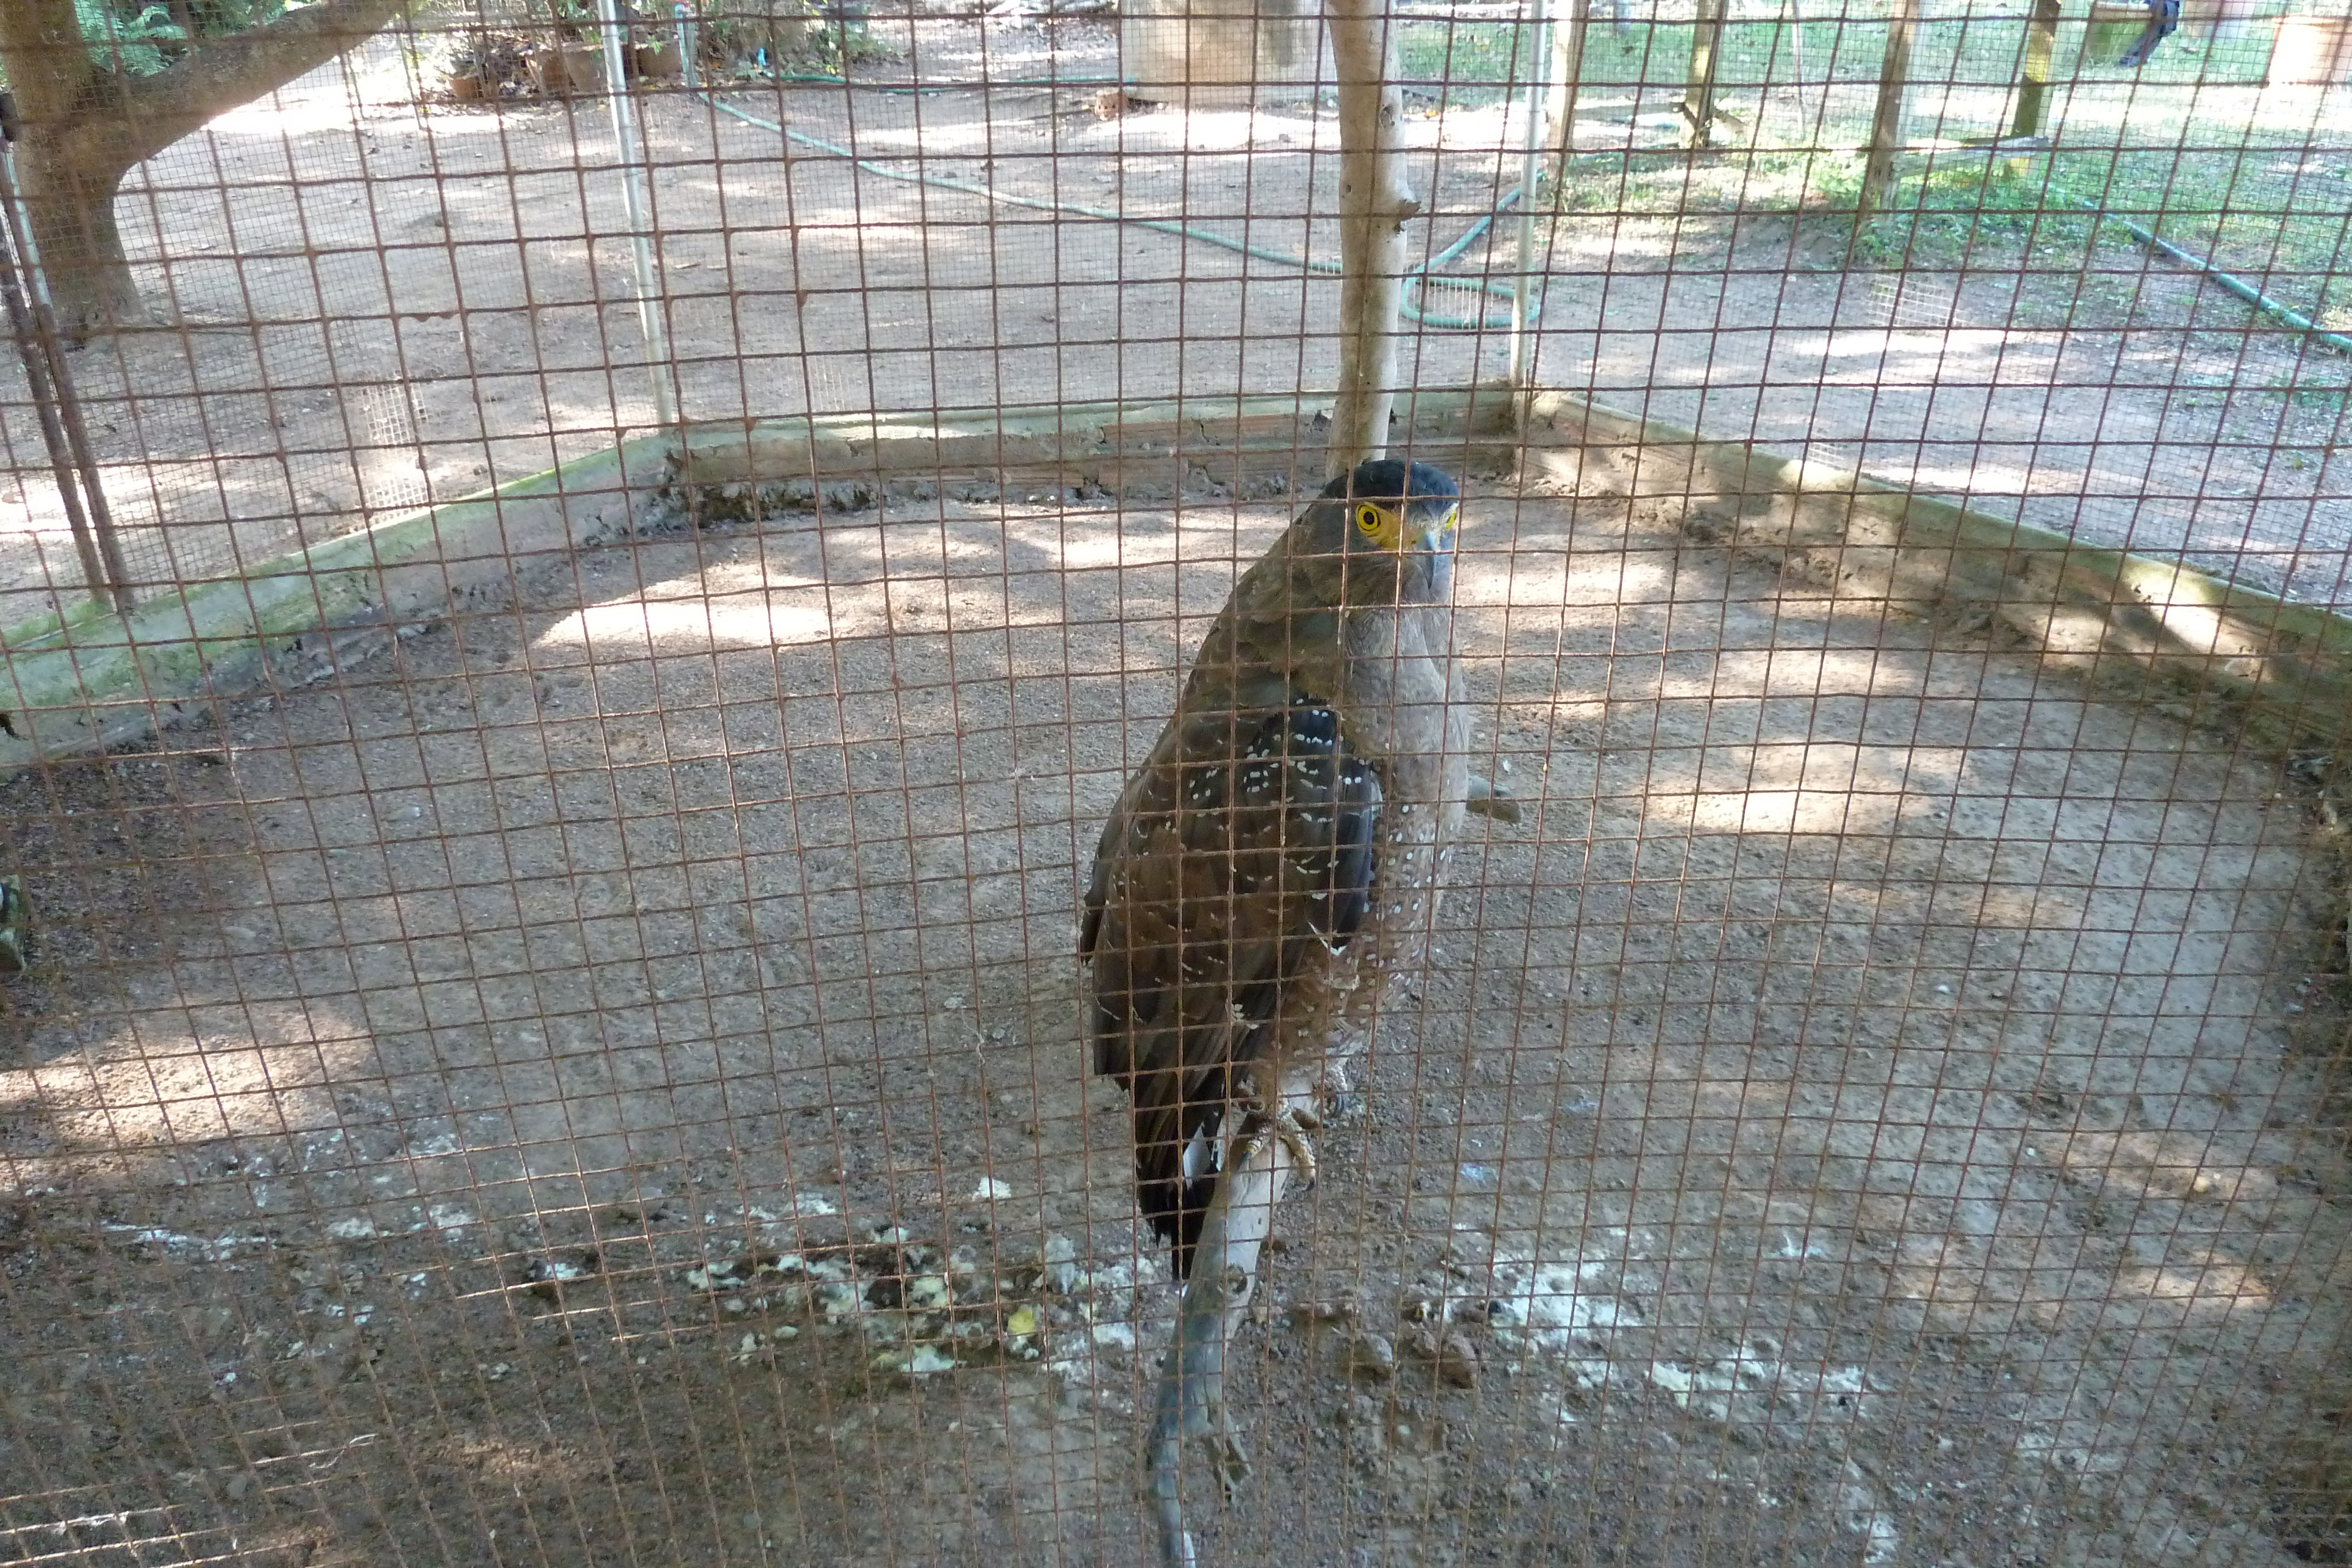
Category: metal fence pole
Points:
column 1523, row 285
column 49, row 378
column 638, row 197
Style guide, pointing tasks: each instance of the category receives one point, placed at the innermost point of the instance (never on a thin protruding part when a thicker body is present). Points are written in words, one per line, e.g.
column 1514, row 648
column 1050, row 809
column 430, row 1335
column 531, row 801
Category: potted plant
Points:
column 561, row 69
column 657, row 60
column 461, row 69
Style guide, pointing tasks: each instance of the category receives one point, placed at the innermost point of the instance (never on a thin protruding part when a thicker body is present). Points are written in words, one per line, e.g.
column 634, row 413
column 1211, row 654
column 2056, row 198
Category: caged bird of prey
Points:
column 1269, row 866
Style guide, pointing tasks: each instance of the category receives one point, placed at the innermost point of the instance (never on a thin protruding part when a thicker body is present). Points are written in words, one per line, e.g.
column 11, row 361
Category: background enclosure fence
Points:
column 548, row 1028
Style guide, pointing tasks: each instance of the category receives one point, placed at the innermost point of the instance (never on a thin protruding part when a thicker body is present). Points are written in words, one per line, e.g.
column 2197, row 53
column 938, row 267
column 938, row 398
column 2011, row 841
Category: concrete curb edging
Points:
column 1137, row 452
column 2145, row 629
column 86, row 681
column 90, row 682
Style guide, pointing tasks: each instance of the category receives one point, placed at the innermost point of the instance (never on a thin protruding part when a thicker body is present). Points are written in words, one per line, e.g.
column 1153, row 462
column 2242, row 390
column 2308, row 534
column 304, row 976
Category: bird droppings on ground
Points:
column 927, row 1308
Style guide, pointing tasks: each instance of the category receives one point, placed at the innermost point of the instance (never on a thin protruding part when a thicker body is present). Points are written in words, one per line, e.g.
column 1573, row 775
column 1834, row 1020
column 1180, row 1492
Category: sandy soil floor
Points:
column 604, row 1085
column 377, row 301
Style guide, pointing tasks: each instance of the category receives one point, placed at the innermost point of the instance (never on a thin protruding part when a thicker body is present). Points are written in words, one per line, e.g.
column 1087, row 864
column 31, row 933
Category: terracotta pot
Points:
column 561, row 72
column 658, row 62
column 465, row 86
column 2312, row 51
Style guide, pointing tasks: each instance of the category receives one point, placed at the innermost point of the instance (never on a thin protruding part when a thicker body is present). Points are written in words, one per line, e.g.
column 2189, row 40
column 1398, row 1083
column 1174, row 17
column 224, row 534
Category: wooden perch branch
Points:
column 1374, row 202
column 1192, row 1402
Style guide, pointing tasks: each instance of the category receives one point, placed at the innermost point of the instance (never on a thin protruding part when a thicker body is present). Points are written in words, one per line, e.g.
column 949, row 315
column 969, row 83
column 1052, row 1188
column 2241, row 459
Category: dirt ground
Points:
column 377, row 299
column 568, row 1092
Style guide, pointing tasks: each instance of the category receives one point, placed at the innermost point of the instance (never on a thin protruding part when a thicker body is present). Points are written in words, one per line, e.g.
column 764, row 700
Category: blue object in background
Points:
column 2163, row 17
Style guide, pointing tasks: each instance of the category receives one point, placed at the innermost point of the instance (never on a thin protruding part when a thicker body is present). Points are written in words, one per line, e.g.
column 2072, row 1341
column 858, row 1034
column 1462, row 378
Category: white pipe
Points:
column 1523, row 354
column 638, row 199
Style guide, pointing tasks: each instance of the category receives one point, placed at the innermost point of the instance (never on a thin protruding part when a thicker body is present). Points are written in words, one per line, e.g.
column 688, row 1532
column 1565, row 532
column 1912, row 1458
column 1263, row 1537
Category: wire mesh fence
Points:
column 540, row 1007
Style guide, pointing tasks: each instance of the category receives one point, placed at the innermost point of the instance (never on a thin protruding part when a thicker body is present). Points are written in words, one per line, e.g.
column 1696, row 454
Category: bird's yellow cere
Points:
column 1385, row 525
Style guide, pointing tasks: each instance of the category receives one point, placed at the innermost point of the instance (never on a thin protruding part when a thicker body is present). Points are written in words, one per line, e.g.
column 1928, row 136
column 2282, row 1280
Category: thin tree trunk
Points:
column 1698, row 88
column 2033, row 86
column 1566, row 67
column 1374, row 202
column 83, row 126
column 1887, row 127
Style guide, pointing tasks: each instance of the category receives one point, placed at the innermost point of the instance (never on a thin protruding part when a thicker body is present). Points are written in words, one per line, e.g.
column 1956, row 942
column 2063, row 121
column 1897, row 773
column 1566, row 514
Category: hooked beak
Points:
column 1439, row 533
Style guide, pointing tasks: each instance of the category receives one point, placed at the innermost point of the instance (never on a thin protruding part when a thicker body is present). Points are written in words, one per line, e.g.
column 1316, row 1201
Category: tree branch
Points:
column 218, row 73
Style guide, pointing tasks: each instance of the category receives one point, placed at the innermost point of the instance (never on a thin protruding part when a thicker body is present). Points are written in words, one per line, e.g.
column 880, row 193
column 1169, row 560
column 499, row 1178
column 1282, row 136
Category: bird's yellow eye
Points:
column 1368, row 518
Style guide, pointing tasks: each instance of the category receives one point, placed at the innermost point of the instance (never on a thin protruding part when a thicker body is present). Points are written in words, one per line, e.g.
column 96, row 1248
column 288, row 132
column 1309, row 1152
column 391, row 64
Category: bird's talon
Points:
column 1291, row 1124
column 1231, row 1459
column 1341, row 1107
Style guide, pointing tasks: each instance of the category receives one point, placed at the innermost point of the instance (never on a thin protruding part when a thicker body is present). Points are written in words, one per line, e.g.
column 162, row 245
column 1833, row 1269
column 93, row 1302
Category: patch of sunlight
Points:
column 1793, row 811
column 2210, row 1288
column 129, row 1094
column 637, row 626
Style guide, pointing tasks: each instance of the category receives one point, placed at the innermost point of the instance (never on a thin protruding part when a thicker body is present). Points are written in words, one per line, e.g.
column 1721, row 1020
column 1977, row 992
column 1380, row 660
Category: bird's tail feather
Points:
column 1175, row 1201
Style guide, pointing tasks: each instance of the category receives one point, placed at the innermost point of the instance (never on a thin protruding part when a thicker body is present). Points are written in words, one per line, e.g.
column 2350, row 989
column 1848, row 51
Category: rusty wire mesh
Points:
column 572, row 1052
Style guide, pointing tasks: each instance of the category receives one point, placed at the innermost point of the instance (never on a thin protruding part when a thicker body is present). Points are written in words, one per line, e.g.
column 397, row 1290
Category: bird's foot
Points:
column 1341, row 1107
column 1225, row 1451
column 1291, row 1124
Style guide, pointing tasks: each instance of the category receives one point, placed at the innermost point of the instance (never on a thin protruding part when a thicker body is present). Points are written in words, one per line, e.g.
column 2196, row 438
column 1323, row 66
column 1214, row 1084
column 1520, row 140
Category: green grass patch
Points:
column 2272, row 211
column 1469, row 63
column 2190, row 146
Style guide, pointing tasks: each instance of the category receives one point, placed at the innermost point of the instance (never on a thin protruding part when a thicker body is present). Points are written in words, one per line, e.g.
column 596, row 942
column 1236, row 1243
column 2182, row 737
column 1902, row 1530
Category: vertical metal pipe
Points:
column 50, row 377
column 1522, row 357
column 689, row 44
column 638, row 197
column 37, row 380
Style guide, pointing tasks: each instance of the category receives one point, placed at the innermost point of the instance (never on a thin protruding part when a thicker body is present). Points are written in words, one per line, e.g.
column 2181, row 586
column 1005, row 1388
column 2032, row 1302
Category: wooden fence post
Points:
column 1887, row 127
column 2033, row 85
column 1374, row 202
column 1706, row 52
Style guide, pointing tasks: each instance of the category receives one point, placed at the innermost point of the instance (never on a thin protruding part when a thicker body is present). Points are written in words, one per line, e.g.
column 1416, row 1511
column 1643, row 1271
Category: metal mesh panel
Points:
column 539, row 1020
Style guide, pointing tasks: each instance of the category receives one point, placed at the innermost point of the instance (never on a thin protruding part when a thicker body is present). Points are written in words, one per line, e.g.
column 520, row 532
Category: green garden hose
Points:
column 1424, row 276
column 2234, row 284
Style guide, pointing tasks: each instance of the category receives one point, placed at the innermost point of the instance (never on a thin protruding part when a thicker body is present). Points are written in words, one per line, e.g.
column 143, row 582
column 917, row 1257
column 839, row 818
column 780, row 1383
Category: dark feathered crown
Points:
column 1390, row 479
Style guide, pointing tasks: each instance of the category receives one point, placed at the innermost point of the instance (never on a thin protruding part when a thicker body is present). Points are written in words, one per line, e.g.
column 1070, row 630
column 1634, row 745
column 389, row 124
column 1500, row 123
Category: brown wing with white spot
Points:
column 1228, row 894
